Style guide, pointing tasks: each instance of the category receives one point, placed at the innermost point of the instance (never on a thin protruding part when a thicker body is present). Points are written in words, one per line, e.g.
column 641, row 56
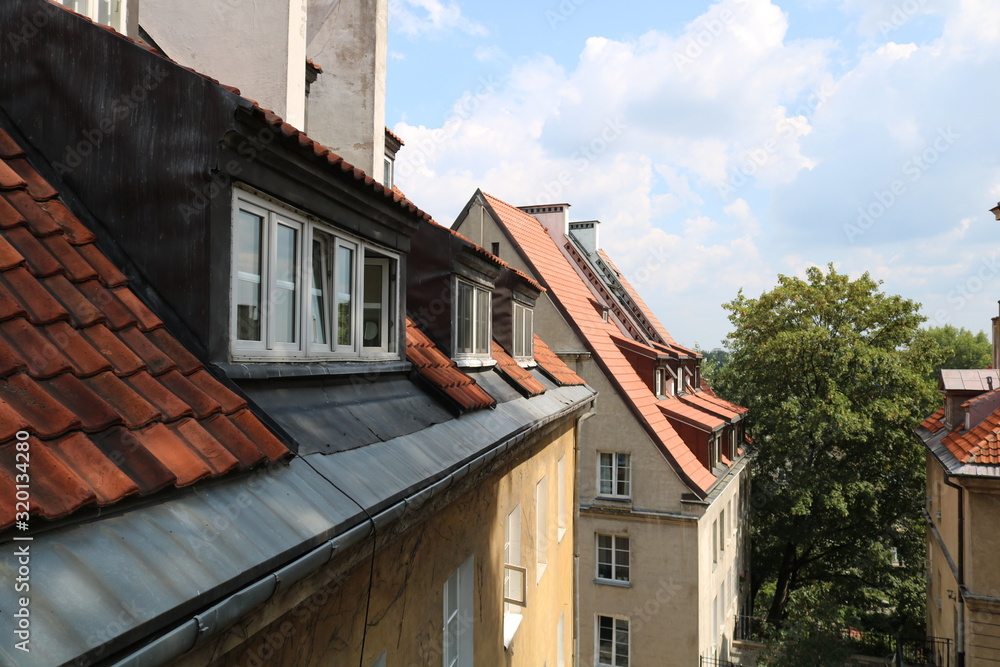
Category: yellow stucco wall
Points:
column 325, row 625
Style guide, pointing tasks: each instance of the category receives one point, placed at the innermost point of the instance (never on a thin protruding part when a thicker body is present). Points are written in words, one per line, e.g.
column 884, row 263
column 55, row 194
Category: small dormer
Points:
column 514, row 314
column 392, row 145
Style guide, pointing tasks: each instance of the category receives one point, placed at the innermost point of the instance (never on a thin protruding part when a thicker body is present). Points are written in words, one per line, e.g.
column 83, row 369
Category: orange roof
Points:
column 935, row 422
column 673, row 407
column 553, row 366
column 115, row 406
column 442, row 373
column 521, row 378
column 572, row 295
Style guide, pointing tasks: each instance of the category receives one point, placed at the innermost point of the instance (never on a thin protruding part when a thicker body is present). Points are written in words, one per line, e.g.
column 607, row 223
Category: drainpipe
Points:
column 960, row 634
column 576, row 532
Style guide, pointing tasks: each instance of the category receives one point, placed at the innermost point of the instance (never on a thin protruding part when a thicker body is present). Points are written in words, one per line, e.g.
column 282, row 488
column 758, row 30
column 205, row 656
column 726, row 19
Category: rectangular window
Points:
column 523, row 332
column 472, row 320
column 457, row 642
column 614, row 475
column 561, row 641
column 612, row 642
column 658, row 382
column 561, row 493
column 722, row 530
column 105, row 12
column 541, row 526
column 387, row 168
column 613, row 558
column 302, row 290
column 715, row 541
column 514, row 576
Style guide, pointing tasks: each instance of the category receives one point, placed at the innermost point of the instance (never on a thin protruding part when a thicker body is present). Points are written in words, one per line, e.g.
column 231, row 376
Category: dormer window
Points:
column 523, row 332
column 303, row 289
column 388, row 163
column 658, row 382
column 472, row 320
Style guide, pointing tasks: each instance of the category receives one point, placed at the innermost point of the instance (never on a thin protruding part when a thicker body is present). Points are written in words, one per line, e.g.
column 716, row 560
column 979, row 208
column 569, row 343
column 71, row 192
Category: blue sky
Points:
column 721, row 144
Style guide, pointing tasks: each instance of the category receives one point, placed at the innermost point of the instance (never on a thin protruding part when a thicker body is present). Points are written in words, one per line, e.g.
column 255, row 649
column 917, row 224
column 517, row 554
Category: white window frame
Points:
column 115, row 14
column 388, row 170
column 541, row 527
column 561, row 640
column 308, row 229
column 522, row 332
column 514, row 596
column 481, row 350
column 614, row 640
column 658, row 382
column 615, row 565
column 561, row 498
column 616, row 477
column 457, row 631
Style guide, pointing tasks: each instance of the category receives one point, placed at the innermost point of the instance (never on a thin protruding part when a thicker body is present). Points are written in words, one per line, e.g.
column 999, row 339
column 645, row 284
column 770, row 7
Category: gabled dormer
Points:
column 514, row 314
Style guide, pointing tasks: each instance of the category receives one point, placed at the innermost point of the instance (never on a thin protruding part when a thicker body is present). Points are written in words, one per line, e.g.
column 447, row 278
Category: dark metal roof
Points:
column 109, row 583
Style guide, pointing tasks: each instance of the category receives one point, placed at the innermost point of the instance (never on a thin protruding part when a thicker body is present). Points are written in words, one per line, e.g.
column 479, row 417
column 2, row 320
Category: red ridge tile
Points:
column 143, row 315
column 202, row 404
column 75, row 232
column 40, row 305
column 173, row 453
column 32, row 214
column 111, row 347
column 76, row 267
column 133, row 408
column 132, row 458
column 43, row 358
column 47, row 416
column 93, row 411
column 85, row 359
column 109, row 274
column 105, row 479
column 218, row 458
column 167, row 402
column 156, row 361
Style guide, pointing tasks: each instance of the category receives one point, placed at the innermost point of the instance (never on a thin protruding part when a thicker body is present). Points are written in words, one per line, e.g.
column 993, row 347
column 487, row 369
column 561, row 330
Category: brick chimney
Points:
column 586, row 234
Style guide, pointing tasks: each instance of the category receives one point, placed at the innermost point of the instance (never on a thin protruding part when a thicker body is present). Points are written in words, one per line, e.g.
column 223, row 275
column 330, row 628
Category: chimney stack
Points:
column 586, row 234
column 554, row 217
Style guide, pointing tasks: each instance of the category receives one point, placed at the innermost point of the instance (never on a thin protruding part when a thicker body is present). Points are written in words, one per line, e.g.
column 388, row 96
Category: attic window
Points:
column 473, row 315
column 302, row 289
column 105, row 12
column 388, row 163
column 523, row 332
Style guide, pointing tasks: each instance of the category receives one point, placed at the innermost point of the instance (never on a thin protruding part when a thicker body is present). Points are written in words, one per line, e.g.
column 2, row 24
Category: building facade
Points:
column 269, row 420
column 663, row 482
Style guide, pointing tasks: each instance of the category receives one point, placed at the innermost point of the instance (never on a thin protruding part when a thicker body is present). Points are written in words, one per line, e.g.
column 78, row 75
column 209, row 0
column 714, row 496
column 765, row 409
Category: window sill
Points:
column 612, row 582
column 526, row 363
column 312, row 368
column 562, row 531
column 474, row 362
column 615, row 499
column 511, row 622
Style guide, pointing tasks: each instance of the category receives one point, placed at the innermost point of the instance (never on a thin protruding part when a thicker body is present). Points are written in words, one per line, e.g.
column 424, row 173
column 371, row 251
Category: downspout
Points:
column 574, row 659
column 960, row 635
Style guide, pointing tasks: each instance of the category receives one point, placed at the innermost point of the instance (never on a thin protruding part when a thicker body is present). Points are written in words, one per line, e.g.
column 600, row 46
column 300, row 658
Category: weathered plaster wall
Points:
column 259, row 47
column 325, row 625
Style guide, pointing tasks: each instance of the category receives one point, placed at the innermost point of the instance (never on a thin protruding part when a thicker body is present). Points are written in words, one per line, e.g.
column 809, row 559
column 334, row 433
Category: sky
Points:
column 720, row 144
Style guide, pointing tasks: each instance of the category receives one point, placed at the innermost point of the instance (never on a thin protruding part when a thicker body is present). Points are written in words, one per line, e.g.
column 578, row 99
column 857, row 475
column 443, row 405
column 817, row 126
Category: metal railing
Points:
column 716, row 662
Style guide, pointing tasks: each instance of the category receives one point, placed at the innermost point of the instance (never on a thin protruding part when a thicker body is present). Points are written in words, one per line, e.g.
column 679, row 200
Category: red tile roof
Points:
column 442, row 373
column 712, row 405
column 394, row 136
column 573, row 296
column 114, row 404
column 553, row 366
column 659, row 328
column 980, row 445
column 687, row 413
column 522, row 379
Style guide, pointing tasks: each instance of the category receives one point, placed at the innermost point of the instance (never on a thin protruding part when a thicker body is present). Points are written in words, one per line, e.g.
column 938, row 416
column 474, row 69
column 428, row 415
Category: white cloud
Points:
column 431, row 17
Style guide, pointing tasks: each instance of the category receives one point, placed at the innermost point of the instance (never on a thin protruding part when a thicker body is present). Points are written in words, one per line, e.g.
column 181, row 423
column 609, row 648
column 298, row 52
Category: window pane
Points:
column 345, row 286
column 529, row 316
column 621, row 558
column 248, row 266
column 621, row 643
column 463, row 318
column 374, row 286
column 604, row 556
column 320, row 280
column 606, row 636
column 623, row 475
column 606, row 470
column 483, row 313
column 285, row 280
column 104, row 11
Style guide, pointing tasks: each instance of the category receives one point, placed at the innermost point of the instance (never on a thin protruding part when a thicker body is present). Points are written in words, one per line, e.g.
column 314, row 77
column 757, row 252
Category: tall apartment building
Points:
column 663, row 547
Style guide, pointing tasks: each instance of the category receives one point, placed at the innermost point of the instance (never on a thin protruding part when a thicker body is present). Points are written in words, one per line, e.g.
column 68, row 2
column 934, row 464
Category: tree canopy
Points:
column 833, row 371
column 965, row 349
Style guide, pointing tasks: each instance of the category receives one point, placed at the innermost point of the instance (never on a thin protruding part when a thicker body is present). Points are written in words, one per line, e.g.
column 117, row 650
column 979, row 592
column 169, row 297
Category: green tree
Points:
column 833, row 371
column 965, row 349
column 814, row 633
